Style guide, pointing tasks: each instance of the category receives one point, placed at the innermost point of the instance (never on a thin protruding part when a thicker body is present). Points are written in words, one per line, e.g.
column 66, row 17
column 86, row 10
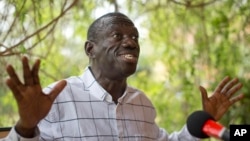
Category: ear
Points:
column 89, row 49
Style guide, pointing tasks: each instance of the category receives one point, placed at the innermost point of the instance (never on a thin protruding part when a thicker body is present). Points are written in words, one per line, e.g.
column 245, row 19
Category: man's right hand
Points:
column 33, row 104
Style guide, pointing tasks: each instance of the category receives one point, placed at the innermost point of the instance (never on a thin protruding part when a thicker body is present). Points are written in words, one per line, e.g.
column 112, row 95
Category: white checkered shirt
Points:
column 84, row 111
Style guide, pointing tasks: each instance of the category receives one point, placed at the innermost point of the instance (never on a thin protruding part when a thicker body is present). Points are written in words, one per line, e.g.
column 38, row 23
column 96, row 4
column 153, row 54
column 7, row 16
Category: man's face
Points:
column 117, row 48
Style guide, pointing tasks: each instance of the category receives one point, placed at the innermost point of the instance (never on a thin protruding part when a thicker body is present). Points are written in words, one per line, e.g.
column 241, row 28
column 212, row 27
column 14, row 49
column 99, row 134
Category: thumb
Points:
column 57, row 89
column 204, row 96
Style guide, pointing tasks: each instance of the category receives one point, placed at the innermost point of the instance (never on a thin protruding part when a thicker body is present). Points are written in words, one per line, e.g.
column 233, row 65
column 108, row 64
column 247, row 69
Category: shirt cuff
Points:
column 14, row 136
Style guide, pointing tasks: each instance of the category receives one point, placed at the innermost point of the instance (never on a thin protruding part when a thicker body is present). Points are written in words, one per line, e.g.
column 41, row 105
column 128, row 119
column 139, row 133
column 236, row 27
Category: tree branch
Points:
column 7, row 52
column 189, row 4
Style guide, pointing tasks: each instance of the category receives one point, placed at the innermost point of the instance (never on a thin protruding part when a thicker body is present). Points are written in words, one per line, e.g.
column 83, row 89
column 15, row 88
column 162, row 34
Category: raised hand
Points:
column 33, row 104
column 222, row 98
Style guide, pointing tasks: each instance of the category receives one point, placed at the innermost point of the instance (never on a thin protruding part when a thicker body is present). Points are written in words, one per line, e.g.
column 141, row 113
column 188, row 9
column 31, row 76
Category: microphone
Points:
column 202, row 125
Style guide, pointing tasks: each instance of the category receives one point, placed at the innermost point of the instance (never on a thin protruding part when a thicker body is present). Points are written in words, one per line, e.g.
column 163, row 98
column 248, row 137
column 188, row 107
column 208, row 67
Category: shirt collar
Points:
column 94, row 87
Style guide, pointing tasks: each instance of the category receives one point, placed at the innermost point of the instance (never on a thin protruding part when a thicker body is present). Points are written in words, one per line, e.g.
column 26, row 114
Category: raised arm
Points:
column 33, row 104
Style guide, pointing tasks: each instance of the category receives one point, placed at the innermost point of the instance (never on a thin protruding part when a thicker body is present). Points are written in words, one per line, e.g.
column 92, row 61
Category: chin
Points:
column 129, row 71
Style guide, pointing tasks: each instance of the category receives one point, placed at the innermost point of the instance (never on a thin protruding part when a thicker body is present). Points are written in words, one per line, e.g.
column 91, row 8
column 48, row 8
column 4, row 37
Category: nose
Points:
column 129, row 42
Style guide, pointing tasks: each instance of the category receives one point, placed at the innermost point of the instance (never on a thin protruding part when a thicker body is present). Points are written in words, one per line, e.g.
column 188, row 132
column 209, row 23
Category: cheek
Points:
column 107, row 55
column 109, row 49
column 106, row 51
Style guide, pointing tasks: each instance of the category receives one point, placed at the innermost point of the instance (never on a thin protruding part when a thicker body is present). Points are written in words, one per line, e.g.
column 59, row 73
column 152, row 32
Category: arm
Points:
column 30, row 98
column 181, row 135
column 216, row 105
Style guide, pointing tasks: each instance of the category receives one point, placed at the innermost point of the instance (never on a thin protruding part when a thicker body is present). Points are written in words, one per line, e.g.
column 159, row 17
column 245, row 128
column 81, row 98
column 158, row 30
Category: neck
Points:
column 115, row 87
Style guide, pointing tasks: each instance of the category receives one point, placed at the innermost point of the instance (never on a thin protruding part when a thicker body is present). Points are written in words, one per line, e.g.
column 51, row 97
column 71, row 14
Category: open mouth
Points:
column 130, row 58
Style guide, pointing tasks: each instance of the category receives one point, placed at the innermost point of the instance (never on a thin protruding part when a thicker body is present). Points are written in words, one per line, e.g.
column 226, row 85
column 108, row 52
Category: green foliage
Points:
column 184, row 44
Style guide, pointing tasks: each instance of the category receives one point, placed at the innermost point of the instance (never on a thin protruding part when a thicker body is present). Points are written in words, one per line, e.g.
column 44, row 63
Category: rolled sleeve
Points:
column 182, row 135
column 14, row 136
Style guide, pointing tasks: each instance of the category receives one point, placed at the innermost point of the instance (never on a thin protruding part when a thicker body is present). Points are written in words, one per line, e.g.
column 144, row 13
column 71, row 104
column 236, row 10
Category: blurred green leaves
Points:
column 184, row 44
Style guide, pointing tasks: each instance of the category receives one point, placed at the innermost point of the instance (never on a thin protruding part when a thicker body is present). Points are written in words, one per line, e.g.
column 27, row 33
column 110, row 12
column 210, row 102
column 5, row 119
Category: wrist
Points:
column 26, row 132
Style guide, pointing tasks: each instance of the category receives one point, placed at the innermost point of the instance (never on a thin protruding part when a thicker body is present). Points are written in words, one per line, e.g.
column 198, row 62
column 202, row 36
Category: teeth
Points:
column 128, row 56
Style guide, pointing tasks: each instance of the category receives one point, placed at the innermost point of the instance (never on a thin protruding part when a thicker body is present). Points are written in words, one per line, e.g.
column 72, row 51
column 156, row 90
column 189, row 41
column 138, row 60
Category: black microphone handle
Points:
column 225, row 136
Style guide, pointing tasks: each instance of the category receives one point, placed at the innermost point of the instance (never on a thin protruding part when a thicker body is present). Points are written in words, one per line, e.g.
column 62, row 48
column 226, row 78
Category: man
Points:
column 99, row 105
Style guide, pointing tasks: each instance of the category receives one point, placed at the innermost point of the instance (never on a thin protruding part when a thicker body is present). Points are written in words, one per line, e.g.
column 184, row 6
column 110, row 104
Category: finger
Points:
column 229, row 85
column 35, row 71
column 203, row 93
column 57, row 89
column 14, row 88
column 222, row 84
column 233, row 90
column 204, row 96
column 236, row 98
column 13, row 76
column 27, row 75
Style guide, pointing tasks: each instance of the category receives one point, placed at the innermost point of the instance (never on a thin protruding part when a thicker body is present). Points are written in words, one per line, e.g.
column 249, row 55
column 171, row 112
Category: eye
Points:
column 135, row 37
column 116, row 36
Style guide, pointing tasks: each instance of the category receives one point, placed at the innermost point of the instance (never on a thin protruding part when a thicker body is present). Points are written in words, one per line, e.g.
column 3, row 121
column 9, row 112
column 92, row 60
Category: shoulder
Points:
column 138, row 96
column 135, row 92
column 73, row 81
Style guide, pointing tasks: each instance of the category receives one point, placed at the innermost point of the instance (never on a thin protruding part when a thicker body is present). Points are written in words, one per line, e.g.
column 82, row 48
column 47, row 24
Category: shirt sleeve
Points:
column 182, row 135
column 14, row 136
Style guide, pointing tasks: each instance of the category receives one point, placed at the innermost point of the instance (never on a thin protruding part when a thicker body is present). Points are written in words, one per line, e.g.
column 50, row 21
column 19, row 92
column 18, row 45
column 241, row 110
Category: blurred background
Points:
column 184, row 44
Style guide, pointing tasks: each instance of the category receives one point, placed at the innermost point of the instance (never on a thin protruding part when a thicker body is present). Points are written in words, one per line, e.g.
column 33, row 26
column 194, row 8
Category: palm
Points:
column 29, row 95
column 218, row 104
column 35, row 103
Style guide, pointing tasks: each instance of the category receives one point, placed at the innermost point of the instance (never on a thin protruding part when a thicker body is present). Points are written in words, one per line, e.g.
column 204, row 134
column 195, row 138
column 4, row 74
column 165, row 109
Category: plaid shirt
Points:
column 84, row 111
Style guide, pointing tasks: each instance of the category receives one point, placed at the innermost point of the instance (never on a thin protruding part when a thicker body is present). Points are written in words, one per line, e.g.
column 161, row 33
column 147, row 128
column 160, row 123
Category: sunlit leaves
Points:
column 184, row 44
